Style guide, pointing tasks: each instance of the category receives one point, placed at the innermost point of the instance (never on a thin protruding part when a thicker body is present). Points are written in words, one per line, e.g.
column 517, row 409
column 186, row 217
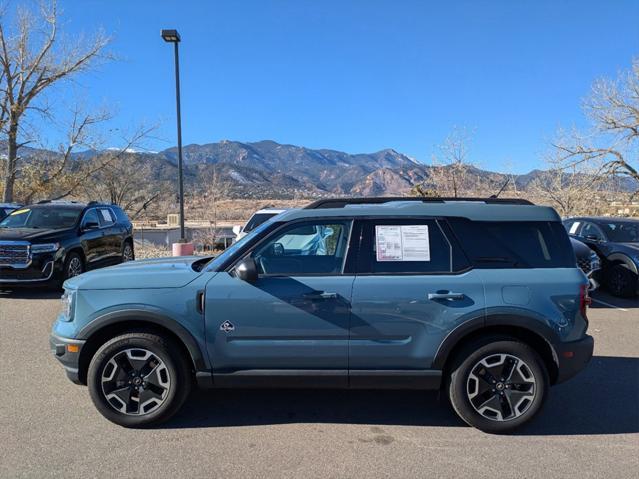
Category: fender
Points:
column 514, row 320
column 625, row 259
column 153, row 317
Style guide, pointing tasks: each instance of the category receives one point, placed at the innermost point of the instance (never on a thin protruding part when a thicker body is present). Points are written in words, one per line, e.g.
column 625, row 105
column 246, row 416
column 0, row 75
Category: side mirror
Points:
column 246, row 270
column 90, row 225
column 237, row 229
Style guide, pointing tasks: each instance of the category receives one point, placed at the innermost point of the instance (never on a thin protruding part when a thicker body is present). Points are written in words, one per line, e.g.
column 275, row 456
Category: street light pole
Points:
column 172, row 36
column 179, row 140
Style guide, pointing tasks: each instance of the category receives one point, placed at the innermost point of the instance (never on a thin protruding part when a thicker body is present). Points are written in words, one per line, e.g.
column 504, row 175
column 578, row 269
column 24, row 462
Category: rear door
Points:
column 112, row 234
column 413, row 287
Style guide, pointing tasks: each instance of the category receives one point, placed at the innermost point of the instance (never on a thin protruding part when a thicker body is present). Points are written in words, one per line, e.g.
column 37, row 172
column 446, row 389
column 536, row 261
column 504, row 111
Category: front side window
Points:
column 305, row 249
column 591, row 230
column 91, row 217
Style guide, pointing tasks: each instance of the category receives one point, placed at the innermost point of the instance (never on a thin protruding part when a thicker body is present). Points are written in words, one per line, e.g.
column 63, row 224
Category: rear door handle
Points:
column 450, row 295
column 317, row 295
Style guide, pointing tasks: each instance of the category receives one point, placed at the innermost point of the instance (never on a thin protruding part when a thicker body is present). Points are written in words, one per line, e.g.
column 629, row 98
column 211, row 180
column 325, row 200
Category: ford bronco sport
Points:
column 481, row 298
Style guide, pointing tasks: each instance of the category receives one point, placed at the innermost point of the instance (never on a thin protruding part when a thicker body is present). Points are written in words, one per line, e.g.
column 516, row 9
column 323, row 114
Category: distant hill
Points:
column 269, row 169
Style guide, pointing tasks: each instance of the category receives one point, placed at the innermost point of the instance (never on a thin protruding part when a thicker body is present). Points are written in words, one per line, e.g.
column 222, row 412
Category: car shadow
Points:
column 601, row 400
column 604, row 300
column 30, row 293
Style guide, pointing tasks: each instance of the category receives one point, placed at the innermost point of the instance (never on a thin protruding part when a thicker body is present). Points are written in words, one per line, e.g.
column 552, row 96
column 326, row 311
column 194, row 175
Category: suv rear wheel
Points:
column 496, row 385
column 127, row 252
column 138, row 379
column 621, row 281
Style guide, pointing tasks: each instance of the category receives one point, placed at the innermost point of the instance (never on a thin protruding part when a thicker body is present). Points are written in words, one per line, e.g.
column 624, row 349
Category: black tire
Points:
column 128, row 253
column 71, row 263
column 176, row 372
column 460, row 383
column 621, row 281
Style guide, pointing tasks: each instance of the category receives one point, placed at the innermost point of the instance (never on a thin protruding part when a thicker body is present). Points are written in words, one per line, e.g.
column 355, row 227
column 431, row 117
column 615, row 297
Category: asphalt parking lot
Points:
column 589, row 427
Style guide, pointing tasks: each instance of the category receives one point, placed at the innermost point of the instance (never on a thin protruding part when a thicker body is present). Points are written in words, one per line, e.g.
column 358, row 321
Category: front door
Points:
column 295, row 316
column 412, row 291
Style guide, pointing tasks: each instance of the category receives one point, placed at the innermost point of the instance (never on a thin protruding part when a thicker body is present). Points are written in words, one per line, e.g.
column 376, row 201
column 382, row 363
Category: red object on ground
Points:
column 182, row 249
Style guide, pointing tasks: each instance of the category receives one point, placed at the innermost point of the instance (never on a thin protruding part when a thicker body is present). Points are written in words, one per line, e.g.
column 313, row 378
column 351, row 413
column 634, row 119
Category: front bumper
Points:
column 67, row 351
column 41, row 272
column 572, row 357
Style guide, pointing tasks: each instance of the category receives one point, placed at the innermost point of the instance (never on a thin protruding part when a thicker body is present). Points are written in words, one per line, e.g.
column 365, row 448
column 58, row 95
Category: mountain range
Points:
column 269, row 169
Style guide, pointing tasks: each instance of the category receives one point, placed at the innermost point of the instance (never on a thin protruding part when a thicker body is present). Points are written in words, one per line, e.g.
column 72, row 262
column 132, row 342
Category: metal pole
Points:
column 179, row 139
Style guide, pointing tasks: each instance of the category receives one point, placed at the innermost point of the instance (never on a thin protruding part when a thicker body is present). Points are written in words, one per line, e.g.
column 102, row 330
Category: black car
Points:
column 49, row 242
column 616, row 241
column 588, row 261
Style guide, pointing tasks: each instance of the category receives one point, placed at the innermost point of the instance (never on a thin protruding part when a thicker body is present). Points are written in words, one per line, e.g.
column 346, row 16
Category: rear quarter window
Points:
column 514, row 244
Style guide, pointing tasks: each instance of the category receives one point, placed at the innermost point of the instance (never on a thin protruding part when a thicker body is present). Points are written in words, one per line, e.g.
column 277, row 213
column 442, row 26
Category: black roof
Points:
column 376, row 200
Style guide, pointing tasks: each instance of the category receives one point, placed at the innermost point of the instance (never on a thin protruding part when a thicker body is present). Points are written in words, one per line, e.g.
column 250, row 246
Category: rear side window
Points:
column 106, row 218
column 404, row 246
column 120, row 214
column 256, row 220
column 514, row 244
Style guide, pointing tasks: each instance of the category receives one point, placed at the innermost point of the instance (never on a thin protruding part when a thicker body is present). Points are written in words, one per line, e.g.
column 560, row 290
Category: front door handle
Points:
column 317, row 295
column 449, row 295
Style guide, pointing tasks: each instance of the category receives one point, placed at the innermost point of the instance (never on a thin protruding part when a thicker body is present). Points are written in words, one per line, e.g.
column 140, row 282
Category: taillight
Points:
column 584, row 299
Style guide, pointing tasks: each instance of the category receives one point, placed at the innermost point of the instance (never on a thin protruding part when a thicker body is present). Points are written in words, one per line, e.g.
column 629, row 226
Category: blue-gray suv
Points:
column 481, row 298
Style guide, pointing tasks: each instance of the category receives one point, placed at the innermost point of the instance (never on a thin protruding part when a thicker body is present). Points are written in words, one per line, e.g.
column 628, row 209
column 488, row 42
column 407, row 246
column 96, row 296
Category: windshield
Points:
column 621, row 231
column 256, row 220
column 45, row 218
column 231, row 250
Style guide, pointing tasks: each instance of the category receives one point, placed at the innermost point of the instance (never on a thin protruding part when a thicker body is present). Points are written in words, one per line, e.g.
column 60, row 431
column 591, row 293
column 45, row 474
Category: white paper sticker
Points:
column 106, row 215
column 402, row 243
column 388, row 242
column 415, row 243
column 574, row 227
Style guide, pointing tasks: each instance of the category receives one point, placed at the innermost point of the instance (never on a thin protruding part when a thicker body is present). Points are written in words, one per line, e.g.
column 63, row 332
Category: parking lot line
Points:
column 608, row 304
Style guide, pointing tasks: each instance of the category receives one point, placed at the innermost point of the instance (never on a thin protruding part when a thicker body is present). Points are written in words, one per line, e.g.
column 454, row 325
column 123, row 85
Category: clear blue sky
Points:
column 361, row 76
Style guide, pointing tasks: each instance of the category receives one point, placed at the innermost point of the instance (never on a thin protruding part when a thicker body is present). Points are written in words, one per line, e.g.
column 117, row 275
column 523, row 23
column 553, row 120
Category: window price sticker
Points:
column 402, row 243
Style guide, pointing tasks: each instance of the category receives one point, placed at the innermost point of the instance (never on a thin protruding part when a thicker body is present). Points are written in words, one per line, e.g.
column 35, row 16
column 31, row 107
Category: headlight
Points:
column 595, row 262
column 45, row 247
column 67, row 305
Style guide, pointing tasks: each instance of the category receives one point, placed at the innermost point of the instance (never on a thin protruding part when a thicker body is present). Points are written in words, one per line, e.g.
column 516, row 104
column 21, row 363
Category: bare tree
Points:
column 570, row 190
column 451, row 174
column 613, row 143
column 32, row 60
column 57, row 174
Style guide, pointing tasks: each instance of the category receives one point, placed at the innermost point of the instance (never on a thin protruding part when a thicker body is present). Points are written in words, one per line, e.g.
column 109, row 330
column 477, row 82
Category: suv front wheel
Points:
column 496, row 385
column 138, row 379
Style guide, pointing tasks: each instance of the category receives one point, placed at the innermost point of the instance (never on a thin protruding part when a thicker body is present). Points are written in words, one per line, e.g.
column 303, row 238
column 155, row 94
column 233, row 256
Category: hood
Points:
column 30, row 234
column 629, row 248
column 144, row 274
column 580, row 249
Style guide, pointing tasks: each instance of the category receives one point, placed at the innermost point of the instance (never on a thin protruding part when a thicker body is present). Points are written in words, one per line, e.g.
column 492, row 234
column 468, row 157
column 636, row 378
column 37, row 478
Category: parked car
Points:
column 6, row 208
column 255, row 220
column 588, row 261
column 616, row 242
column 49, row 242
column 479, row 298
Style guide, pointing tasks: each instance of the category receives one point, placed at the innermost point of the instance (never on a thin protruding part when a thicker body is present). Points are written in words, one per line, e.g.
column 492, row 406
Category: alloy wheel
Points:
column 127, row 254
column 75, row 267
column 501, row 387
column 135, row 382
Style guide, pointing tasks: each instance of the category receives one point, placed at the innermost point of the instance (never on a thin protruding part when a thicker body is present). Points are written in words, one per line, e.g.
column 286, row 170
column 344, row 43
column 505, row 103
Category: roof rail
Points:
column 342, row 202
